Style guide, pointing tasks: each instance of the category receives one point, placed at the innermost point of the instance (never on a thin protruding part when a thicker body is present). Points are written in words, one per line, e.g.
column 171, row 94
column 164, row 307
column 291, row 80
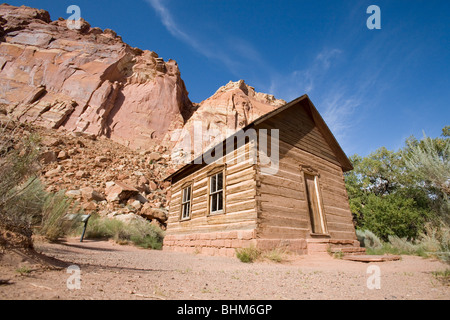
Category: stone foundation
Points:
column 214, row 243
column 226, row 243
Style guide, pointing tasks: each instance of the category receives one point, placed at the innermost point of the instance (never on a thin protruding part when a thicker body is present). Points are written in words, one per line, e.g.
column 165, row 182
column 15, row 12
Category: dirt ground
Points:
column 110, row 271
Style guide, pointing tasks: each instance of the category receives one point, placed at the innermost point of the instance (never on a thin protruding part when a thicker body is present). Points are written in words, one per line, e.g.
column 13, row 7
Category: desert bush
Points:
column 368, row 239
column 433, row 242
column 102, row 228
column 53, row 225
column 139, row 231
column 146, row 235
column 23, row 210
column 276, row 255
column 20, row 190
column 248, row 255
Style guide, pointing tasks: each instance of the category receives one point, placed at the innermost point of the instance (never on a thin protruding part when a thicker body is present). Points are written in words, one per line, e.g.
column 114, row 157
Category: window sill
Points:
column 218, row 213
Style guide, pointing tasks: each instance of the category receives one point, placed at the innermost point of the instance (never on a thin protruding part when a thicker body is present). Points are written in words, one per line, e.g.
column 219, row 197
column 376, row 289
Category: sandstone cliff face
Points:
column 86, row 80
column 231, row 108
column 90, row 81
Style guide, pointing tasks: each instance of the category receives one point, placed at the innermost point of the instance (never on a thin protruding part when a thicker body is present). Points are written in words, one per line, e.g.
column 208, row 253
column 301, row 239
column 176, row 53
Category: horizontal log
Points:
column 281, row 233
column 284, row 193
column 278, row 221
column 242, row 186
column 240, row 206
column 241, row 196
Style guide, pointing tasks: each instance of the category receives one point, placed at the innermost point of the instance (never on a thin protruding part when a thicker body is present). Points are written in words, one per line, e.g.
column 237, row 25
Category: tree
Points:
column 397, row 192
column 429, row 160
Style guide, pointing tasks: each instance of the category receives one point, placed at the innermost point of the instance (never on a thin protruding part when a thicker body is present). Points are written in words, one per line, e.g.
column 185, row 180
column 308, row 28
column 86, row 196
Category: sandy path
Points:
column 111, row 271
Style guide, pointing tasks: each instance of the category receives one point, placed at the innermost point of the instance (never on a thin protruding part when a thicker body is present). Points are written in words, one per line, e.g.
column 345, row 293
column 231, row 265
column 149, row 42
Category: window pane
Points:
column 188, row 208
column 213, row 183
column 214, row 203
column 219, row 181
column 188, row 195
column 184, row 196
column 220, row 201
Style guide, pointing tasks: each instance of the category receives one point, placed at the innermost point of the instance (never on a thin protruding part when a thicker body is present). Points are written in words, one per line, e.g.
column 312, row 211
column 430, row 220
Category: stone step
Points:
column 348, row 250
column 331, row 246
column 315, row 247
column 371, row 258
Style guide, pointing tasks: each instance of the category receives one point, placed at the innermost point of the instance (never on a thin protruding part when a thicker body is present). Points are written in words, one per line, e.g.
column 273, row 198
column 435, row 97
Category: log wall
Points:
column 240, row 207
column 281, row 198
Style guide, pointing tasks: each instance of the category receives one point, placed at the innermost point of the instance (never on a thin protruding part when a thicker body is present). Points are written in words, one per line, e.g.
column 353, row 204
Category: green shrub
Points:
column 276, row 255
column 140, row 232
column 146, row 235
column 248, row 255
column 393, row 215
column 20, row 190
column 53, row 225
column 368, row 239
column 103, row 228
column 433, row 242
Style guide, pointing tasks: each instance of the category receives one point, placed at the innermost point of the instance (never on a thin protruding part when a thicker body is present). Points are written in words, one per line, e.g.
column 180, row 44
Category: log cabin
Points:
column 289, row 193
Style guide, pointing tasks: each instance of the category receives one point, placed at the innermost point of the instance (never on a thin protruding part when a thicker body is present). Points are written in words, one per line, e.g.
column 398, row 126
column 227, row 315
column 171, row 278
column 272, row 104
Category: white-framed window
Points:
column 216, row 193
column 186, row 203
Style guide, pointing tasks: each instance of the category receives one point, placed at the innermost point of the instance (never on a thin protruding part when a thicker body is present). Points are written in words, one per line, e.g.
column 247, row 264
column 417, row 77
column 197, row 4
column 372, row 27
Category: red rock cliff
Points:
column 86, row 80
column 89, row 80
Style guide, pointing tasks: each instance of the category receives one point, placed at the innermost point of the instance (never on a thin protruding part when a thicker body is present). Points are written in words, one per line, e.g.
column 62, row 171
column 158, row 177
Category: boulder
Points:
column 150, row 213
column 54, row 172
column 48, row 157
column 90, row 194
column 62, row 155
column 120, row 192
column 74, row 194
column 154, row 156
column 90, row 206
column 153, row 186
column 82, row 174
column 101, row 159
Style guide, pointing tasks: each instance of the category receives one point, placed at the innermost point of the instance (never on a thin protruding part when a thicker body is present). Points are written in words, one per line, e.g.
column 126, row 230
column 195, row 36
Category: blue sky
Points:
column 374, row 88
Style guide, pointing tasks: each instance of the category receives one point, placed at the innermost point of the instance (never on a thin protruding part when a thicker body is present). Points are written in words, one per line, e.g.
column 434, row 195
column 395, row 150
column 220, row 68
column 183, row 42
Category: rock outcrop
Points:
column 231, row 108
column 86, row 80
column 90, row 81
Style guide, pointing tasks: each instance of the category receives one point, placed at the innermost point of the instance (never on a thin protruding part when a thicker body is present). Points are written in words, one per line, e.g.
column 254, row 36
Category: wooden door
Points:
column 314, row 205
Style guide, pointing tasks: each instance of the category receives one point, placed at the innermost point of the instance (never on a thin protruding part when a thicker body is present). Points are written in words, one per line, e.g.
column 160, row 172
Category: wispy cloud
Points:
column 301, row 81
column 231, row 51
column 337, row 102
column 168, row 21
column 339, row 112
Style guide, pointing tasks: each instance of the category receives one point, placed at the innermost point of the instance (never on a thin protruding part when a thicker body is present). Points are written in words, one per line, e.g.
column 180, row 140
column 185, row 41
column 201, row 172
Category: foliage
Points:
column 20, row 190
column 53, row 225
column 139, row 231
column 24, row 203
column 429, row 160
column 433, row 242
column 442, row 276
column 396, row 193
column 393, row 215
column 248, row 255
column 276, row 255
column 368, row 239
